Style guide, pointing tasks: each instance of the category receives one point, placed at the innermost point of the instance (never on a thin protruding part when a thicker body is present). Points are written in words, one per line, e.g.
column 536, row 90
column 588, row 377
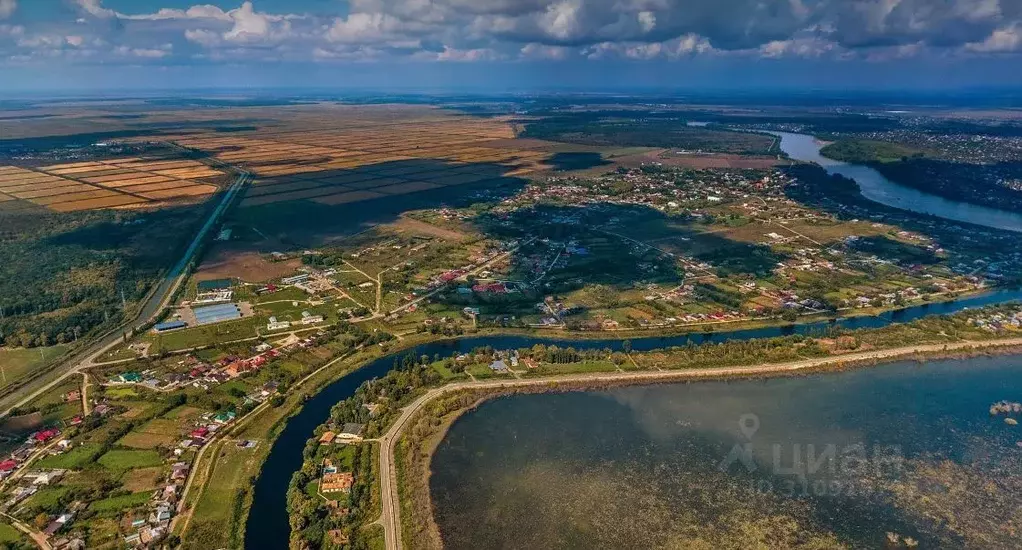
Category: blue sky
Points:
column 509, row 44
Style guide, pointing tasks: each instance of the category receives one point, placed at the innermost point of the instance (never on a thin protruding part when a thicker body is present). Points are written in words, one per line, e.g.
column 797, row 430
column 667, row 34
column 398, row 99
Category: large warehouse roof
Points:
column 216, row 314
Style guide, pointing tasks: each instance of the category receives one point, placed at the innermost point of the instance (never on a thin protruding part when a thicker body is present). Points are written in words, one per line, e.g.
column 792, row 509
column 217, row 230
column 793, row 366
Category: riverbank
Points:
column 408, row 510
column 269, row 520
column 879, row 189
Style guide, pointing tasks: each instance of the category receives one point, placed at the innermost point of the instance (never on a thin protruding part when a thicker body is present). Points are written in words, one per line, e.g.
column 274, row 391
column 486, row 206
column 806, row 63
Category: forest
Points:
column 74, row 272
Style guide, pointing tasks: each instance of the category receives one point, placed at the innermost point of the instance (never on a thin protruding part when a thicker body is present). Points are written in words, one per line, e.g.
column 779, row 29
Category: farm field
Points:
column 92, row 185
column 16, row 363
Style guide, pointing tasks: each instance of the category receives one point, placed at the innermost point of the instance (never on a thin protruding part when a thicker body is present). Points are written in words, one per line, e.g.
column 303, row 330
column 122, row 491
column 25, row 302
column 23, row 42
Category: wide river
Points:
column 821, row 461
column 878, row 188
column 268, row 526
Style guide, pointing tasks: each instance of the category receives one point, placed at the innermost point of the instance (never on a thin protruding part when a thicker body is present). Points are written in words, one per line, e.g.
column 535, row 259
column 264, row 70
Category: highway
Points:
column 158, row 300
column 391, row 516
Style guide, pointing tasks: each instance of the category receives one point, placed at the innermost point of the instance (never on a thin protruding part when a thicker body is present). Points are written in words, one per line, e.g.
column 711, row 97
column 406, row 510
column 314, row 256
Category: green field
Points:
column 75, row 459
column 16, row 363
column 122, row 459
column 116, row 504
column 9, row 535
column 221, row 501
column 208, row 335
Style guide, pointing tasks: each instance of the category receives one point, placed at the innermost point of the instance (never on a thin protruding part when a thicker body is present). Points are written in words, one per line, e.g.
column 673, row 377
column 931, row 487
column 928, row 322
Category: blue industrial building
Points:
column 216, row 314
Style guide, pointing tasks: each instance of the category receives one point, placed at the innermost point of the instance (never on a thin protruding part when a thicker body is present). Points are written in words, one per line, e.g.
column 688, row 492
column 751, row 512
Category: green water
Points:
column 820, row 461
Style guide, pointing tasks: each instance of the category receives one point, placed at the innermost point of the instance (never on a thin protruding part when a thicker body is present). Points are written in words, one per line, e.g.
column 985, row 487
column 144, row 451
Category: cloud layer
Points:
column 488, row 30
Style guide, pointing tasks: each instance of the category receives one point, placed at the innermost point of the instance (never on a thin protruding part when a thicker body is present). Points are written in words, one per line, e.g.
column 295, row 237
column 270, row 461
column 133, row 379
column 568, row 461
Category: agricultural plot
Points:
column 108, row 184
column 366, row 155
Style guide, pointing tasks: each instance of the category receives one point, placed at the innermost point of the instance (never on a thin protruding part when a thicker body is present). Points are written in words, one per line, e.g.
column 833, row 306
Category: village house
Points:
column 337, row 482
column 350, row 433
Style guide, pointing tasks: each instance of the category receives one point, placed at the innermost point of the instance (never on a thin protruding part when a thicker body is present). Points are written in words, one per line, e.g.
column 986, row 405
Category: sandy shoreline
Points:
column 391, row 520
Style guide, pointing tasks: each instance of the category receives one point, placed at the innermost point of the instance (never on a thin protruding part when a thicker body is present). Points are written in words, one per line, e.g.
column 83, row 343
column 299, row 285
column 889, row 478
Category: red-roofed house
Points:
column 46, row 435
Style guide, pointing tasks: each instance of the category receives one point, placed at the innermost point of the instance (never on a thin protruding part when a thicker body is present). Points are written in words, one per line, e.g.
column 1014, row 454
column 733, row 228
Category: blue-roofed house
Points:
column 498, row 366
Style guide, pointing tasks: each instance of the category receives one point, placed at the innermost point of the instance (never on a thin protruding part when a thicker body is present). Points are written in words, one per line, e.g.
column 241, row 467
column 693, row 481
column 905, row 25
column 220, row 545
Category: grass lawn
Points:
column 17, row 363
column 184, row 412
column 284, row 294
column 208, row 335
column 46, row 498
column 218, row 504
column 122, row 459
column 547, row 369
column 446, row 372
column 156, row 432
column 312, row 489
column 116, row 504
column 120, row 392
column 75, row 459
column 9, row 535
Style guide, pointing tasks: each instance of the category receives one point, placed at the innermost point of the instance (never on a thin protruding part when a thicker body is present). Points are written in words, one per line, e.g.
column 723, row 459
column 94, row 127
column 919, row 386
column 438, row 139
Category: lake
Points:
column 878, row 188
column 268, row 526
column 906, row 451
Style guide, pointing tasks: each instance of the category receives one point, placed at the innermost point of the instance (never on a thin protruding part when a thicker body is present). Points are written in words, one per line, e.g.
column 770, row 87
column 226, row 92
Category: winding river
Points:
column 268, row 525
column 878, row 188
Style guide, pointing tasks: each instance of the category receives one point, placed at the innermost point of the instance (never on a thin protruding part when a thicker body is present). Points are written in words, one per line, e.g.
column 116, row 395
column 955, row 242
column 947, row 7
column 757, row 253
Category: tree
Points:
column 626, row 346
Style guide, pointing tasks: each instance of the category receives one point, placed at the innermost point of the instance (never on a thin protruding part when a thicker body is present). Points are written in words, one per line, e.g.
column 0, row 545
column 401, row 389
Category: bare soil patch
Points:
column 248, row 266
column 417, row 226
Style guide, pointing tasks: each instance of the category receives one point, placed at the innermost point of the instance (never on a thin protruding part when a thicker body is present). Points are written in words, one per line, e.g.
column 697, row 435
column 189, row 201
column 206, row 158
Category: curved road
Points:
column 391, row 518
column 157, row 301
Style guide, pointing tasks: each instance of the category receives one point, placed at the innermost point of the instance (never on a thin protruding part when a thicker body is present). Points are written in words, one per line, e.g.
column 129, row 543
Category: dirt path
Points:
column 391, row 520
column 86, row 410
column 41, row 540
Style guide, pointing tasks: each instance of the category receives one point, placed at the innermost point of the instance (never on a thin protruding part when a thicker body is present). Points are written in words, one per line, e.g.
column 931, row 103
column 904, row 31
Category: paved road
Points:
column 157, row 301
column 391, row 517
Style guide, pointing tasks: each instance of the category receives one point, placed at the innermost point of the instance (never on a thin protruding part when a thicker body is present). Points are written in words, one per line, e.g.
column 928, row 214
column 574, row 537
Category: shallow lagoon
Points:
column 816, row 461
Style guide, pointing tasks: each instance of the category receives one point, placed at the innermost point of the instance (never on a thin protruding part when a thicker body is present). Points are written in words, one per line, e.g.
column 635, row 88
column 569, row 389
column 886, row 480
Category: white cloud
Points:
column 204, row 11
column 7, row 8
column 252, row 26
column 480, row 30
column 542, row 51
column 95, row 8
column 798, row 47
column 1007, row 39
column 203, row 37
column 362, row 27
column 475, row 54
column 647, row 20
column 145, row 53
column 561, row 20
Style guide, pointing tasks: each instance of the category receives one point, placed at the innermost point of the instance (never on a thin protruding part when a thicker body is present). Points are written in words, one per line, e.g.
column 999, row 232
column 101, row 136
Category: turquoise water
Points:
column 815, row 461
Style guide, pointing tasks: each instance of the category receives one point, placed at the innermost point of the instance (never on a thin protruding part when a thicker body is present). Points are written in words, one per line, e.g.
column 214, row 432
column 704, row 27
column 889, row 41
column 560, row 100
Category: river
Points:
column 268, row 525
column 878, row 188
column 829, row 459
